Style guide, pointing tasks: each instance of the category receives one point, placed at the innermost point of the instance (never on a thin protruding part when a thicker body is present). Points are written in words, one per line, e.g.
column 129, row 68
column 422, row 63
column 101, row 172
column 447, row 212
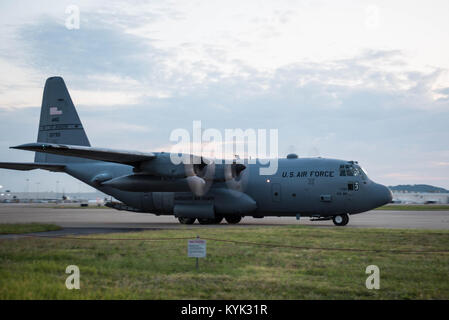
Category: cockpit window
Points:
column 362, row 173
column 351, row 170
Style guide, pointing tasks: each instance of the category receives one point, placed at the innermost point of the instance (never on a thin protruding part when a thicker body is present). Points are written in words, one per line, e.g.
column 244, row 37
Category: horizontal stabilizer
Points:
column 24, row 166
column 101, row 154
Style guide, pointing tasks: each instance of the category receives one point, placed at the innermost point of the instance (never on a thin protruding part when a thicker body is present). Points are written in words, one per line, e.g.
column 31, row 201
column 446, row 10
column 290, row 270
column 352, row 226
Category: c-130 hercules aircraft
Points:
column 322, row 189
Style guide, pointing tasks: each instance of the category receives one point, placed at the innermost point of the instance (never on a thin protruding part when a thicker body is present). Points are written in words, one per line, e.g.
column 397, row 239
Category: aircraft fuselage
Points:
column 306, row 186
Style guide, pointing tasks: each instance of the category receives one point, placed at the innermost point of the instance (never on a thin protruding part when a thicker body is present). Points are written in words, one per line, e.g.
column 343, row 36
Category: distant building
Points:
column 51, row 196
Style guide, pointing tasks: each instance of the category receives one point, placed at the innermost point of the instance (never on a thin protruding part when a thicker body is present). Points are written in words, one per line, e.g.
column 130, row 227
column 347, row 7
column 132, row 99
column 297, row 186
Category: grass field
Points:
column 13, row 228
column 415, row 207
column 34, row 268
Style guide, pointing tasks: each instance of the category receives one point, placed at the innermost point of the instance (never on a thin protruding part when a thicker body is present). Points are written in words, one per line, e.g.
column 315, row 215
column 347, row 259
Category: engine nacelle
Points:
column 147, row 183
column 162, row 166
column 101, row 178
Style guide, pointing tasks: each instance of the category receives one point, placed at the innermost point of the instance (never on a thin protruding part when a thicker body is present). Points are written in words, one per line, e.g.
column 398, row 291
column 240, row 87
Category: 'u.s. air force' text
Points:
column 312, row 173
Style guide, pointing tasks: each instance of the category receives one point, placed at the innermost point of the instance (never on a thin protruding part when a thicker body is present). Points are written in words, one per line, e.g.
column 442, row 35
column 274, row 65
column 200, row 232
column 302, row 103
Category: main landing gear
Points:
column 216, row 220
column 187, row 220
column 340, row 220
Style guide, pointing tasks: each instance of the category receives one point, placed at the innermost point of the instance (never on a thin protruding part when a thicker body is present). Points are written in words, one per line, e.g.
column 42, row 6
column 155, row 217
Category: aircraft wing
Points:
column 102, row 154
column 24, row 166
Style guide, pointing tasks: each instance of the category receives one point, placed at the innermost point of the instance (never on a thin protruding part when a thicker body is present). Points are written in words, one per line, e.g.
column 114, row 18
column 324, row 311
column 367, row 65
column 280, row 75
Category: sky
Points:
column 353, row 80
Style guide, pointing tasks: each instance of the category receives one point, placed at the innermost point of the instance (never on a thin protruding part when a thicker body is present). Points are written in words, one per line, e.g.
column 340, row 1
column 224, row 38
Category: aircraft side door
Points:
column 352, row 187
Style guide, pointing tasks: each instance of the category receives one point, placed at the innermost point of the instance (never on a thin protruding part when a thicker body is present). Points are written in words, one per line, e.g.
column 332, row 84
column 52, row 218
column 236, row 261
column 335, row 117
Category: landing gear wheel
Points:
column 340, row 220
column 233, row 219
column 186, row 220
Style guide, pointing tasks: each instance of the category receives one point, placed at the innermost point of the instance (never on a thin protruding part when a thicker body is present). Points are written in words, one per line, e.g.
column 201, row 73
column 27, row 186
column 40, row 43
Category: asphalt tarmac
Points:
column 76, row 220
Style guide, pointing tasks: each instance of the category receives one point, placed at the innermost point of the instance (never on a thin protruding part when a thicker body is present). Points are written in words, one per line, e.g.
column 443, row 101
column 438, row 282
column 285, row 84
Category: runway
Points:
column 93, row 220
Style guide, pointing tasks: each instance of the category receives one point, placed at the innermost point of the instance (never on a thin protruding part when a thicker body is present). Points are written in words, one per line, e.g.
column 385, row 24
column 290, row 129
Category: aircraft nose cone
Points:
column 382, row 194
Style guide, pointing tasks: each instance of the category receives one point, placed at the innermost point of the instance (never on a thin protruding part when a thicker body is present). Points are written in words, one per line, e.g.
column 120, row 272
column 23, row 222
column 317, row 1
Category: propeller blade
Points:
column 197, row 185
column 231, row 172
column 200, row 176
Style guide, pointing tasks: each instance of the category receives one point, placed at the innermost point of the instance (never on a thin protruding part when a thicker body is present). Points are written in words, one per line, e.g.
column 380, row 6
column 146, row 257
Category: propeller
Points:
column 234, row 178
column 200, row 174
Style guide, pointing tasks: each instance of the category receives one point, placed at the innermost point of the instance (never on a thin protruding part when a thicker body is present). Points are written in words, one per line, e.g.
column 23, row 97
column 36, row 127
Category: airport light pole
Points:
column 27, row 190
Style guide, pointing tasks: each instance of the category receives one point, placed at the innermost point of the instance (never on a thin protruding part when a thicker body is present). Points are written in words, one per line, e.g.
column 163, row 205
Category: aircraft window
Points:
column 350, row 170
column 353, row 186
column 362, row 172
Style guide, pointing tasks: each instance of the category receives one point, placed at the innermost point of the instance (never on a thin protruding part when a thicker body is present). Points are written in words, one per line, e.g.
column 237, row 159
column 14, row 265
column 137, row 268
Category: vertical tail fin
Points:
column 59, row 122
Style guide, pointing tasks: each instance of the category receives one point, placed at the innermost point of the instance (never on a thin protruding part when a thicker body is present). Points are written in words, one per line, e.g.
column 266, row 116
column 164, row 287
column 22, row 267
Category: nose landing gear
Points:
column 340, row 220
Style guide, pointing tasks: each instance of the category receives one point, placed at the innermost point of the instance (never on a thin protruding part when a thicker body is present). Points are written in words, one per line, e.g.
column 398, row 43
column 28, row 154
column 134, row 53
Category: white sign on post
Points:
column 196, row 248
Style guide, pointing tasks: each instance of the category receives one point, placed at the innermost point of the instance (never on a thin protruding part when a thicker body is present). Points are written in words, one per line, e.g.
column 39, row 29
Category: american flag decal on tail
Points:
column 54, row 111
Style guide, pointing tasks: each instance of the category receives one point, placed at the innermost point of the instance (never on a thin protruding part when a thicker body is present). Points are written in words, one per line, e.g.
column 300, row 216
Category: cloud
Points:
column 138, row 71
column 92, row 49
column 441, row 163
column 104, row 98
column 18, row 86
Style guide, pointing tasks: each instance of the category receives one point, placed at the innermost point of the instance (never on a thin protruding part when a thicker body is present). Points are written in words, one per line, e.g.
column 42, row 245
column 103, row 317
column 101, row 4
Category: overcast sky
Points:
column 354, row 80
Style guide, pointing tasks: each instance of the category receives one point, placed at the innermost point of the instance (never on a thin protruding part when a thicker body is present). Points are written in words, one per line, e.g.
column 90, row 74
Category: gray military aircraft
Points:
column 322, row 189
